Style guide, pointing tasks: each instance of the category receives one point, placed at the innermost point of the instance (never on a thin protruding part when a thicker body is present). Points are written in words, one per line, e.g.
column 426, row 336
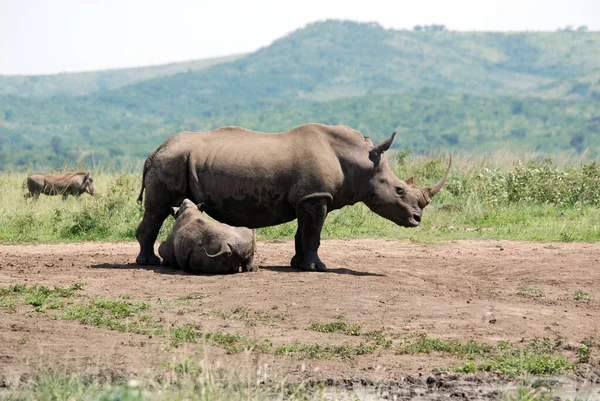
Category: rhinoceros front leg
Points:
column 311, row 215
column 248, row 264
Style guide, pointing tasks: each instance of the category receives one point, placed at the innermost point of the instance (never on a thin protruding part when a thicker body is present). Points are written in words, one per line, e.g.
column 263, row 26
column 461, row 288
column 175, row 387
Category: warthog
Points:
column 59, row 184
column 251, row 179
column 200, row 245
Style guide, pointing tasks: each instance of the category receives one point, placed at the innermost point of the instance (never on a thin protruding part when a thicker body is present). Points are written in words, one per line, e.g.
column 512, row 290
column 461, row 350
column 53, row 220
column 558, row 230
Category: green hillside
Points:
column 83, row 83
column 456, row 90
column 335, row 59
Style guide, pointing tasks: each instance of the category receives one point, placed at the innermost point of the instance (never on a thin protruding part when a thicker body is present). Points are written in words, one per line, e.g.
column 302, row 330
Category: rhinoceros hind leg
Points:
column 146, row 235
column 311, row 215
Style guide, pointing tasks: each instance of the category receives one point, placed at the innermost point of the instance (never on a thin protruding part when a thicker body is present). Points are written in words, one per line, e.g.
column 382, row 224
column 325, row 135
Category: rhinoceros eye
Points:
column 399, row 191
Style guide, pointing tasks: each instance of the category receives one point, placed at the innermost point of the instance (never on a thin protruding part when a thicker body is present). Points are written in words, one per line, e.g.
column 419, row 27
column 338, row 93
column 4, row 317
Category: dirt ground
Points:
column 453, row 290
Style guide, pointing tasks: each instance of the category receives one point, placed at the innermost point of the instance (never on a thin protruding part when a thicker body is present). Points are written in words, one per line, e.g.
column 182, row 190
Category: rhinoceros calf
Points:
column 200, row 245
column 59, row 184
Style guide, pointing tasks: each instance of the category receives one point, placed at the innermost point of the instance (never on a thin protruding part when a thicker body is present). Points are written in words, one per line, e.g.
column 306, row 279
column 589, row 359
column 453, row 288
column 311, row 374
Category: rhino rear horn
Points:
column 431, row 191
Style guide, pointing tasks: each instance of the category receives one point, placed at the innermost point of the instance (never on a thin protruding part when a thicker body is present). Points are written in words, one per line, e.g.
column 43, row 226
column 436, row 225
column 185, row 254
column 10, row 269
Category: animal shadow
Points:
column 338, row 270
column 160, row 269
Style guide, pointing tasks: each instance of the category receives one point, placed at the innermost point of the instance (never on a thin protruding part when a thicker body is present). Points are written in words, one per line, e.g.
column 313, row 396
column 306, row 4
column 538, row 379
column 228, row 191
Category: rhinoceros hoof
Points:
column 250, row 268
column 296, row 262
column 314, row 266
column 144, row 260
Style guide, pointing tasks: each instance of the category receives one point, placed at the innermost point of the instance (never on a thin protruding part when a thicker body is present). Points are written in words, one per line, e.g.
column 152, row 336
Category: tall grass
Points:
column 183, row 380
column 500, row 196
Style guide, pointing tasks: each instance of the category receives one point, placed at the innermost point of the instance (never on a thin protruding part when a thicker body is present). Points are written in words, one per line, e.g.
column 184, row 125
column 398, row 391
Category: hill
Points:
column 458, row 90
column 334, row 59
column 83, row 83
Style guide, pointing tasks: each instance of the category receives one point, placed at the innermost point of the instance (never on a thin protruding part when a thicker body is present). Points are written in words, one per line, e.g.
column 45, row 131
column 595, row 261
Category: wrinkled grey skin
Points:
column 64, row 184
column 199, row 245
column 247, row 178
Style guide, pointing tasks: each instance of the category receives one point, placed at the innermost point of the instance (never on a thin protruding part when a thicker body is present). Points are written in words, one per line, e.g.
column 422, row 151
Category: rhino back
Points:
column 252, row 179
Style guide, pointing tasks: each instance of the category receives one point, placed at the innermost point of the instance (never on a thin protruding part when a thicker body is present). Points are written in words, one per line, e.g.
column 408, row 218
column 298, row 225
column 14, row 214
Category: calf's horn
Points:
column 224, row 250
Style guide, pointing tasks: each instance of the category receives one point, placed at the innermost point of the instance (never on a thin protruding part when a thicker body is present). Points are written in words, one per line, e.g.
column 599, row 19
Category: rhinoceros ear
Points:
column 375, row 153
column 412, row 181
column 386, row 143
column 175, row 211
column 201, row 207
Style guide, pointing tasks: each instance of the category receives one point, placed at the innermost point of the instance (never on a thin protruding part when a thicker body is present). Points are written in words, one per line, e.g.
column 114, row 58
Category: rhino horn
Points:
column 224, row 250
column 431, row 191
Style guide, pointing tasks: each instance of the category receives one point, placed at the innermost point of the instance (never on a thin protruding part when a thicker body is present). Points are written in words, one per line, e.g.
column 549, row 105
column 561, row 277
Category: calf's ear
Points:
column 412, row 181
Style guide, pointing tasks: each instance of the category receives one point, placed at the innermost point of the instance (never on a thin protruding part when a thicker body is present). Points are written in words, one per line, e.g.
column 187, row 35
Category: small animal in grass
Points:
column 64, row 184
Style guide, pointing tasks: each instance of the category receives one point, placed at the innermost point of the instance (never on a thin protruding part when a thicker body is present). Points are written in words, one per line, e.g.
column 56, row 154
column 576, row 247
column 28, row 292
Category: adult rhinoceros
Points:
column 252, row 179
column 59, row 184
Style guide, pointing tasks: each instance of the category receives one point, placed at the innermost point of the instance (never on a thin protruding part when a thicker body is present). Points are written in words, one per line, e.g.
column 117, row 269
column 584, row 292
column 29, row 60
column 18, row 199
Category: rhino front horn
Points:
column 431, row 191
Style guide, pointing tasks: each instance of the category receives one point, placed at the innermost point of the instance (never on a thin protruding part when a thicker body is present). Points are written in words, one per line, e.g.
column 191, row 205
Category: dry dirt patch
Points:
column 454, row 290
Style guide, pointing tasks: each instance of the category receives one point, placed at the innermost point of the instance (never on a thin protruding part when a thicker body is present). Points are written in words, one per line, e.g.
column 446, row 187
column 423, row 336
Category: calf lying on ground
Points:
column 59, row 184
column 200, row 245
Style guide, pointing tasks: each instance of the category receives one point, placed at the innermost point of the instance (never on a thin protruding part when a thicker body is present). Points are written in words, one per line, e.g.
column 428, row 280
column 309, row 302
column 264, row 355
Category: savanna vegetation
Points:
column 469, row 91
column 499, row 197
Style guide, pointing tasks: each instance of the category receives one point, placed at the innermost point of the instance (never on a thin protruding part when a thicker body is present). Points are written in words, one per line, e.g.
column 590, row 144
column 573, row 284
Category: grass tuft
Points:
column 580, row 295
column 339, row 327
column 529, row 291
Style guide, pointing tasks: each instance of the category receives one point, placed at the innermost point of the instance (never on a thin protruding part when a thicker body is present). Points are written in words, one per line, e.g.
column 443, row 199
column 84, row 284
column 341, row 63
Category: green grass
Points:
column 122, row 316
column 321, row 351
column 66, row 304
column 339, row 326
column 187, row 333
column 527, row 290
column 423, row 344
column 196, row 382
column 190, row 382
column 485, row 198
column 539, row 357
column 581, row 295
column 40, row 297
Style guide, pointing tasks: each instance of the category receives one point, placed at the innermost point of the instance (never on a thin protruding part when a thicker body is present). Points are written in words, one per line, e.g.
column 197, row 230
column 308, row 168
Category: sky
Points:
column 54, row 36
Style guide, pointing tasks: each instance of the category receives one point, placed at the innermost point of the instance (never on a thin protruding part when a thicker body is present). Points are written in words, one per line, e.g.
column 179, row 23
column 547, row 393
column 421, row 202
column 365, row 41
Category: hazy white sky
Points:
column 50, row 36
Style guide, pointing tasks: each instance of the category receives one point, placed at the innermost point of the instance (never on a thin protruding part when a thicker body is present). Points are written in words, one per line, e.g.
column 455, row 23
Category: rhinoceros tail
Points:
column 141, row 195
column 147, row 165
